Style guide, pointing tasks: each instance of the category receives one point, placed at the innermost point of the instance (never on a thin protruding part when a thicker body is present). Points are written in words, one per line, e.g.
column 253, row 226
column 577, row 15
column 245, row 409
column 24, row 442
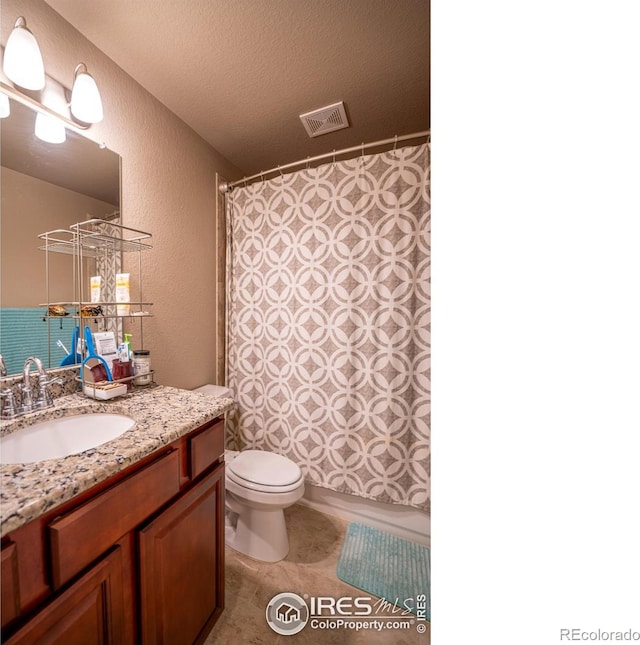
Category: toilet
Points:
column 259, row 485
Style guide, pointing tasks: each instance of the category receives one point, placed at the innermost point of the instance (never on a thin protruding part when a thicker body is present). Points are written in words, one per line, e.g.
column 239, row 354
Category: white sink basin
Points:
column 56, row 438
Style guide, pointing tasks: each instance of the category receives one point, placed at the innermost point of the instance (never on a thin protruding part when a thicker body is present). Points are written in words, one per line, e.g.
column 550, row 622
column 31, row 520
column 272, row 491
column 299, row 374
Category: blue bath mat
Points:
column 388, row 567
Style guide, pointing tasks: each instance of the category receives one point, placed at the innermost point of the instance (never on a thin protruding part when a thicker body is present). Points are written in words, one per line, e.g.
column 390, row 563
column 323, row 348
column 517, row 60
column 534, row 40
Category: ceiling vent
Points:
column 326, row 119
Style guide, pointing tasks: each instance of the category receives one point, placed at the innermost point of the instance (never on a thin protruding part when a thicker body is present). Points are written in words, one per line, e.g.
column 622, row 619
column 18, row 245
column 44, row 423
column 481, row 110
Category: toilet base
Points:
column 253, row 528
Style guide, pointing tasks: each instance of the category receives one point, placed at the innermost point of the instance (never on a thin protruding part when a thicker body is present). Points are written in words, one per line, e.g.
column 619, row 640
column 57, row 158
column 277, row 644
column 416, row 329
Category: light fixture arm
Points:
column 17, row 95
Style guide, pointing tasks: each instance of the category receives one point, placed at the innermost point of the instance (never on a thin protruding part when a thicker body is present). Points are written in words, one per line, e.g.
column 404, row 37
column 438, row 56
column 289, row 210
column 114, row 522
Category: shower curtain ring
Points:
column 280, row 171
column 395, row 142
column 334, row 156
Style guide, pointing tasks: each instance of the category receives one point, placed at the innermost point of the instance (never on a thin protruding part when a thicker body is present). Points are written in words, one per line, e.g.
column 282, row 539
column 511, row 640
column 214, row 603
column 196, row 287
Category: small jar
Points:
column 142, row 366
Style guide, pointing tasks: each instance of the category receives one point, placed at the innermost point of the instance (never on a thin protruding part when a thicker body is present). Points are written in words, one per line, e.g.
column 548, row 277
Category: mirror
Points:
column 44, row 187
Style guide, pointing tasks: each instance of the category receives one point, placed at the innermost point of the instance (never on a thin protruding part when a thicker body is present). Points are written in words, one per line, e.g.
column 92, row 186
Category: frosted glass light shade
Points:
column 86, row 104
column 50, row 129
column 22, row 58
column 5, row 110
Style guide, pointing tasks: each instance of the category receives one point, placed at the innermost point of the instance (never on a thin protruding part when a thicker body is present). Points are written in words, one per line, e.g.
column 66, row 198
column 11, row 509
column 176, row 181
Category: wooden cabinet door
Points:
column 89, row 612
column 9, row 585
column 181, row 555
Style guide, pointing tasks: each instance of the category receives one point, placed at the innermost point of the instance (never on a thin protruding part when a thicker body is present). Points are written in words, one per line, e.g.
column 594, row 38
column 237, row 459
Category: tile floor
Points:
column 310, row 568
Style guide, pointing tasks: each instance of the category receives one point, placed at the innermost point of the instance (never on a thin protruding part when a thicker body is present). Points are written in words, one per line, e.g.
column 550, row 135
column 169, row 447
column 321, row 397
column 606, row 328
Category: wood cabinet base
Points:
column 137, row 559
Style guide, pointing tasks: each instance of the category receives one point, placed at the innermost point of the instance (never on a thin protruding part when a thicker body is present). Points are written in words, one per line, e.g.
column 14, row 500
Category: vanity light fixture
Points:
column 22, row 58
column 50, row 129
column 5, row 110
column 86, row 104
column 23, row 66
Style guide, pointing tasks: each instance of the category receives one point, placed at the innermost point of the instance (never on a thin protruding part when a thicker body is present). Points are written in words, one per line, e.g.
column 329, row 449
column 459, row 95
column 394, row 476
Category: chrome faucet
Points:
column 44, row 399
column 25, row 388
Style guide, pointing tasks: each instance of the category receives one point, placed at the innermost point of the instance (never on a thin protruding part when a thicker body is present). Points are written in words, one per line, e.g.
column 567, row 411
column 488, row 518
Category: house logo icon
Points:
column 287, row 614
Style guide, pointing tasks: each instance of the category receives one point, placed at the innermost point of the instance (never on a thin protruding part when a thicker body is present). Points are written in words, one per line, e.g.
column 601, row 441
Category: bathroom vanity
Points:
column 123, row 543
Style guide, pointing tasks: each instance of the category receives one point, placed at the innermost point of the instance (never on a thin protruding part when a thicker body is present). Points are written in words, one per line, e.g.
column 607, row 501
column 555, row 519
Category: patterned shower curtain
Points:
column 329, row 305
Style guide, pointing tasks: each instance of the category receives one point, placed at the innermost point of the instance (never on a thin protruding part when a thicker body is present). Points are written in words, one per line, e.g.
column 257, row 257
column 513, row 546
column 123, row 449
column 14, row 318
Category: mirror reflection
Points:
column 45, row 187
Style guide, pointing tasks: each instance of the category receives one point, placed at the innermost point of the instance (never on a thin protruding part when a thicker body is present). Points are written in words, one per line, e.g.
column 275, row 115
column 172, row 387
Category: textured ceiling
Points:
column 239, row 72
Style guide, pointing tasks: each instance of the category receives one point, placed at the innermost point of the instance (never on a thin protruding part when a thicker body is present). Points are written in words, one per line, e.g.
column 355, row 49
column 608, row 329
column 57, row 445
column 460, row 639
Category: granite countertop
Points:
column 162, row 415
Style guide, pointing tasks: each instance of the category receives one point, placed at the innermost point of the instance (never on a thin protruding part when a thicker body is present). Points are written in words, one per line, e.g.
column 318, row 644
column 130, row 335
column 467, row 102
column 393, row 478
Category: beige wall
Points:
column 168, row 189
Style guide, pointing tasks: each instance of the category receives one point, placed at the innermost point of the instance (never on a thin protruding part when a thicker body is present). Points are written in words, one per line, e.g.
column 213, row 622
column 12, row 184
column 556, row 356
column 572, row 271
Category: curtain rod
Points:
column 228, row 187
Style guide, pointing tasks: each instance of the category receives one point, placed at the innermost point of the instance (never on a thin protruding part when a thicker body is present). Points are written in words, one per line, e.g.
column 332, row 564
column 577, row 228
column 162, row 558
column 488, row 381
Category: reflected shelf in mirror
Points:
column 50, row 187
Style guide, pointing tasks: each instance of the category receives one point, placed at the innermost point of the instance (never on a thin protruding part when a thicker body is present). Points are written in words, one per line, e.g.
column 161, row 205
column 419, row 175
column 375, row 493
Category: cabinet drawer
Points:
column 79, row 537
column 205, row 448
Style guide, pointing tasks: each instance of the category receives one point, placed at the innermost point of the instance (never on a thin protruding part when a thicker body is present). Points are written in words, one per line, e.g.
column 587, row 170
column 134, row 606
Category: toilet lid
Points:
column 265, row 468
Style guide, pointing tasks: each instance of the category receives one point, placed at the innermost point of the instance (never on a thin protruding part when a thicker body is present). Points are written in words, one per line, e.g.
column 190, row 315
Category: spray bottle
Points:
column 124, row 349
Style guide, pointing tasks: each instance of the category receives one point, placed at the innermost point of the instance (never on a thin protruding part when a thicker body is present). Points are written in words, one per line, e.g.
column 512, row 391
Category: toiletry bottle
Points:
column 122, row 294
column 124, row 363
column 142, row 366
column 127, row 342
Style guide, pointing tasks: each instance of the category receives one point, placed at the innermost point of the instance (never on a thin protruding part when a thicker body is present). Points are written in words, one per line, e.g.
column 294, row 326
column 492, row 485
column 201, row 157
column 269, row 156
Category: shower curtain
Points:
column 329, row 329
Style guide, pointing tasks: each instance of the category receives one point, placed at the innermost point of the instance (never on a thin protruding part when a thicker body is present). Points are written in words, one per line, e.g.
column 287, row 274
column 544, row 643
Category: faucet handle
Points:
column 47, row 380
column 44, row 397
column 8, row 404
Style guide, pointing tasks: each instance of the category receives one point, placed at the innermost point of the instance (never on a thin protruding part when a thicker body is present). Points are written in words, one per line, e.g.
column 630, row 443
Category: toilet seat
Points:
column 264, row 471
